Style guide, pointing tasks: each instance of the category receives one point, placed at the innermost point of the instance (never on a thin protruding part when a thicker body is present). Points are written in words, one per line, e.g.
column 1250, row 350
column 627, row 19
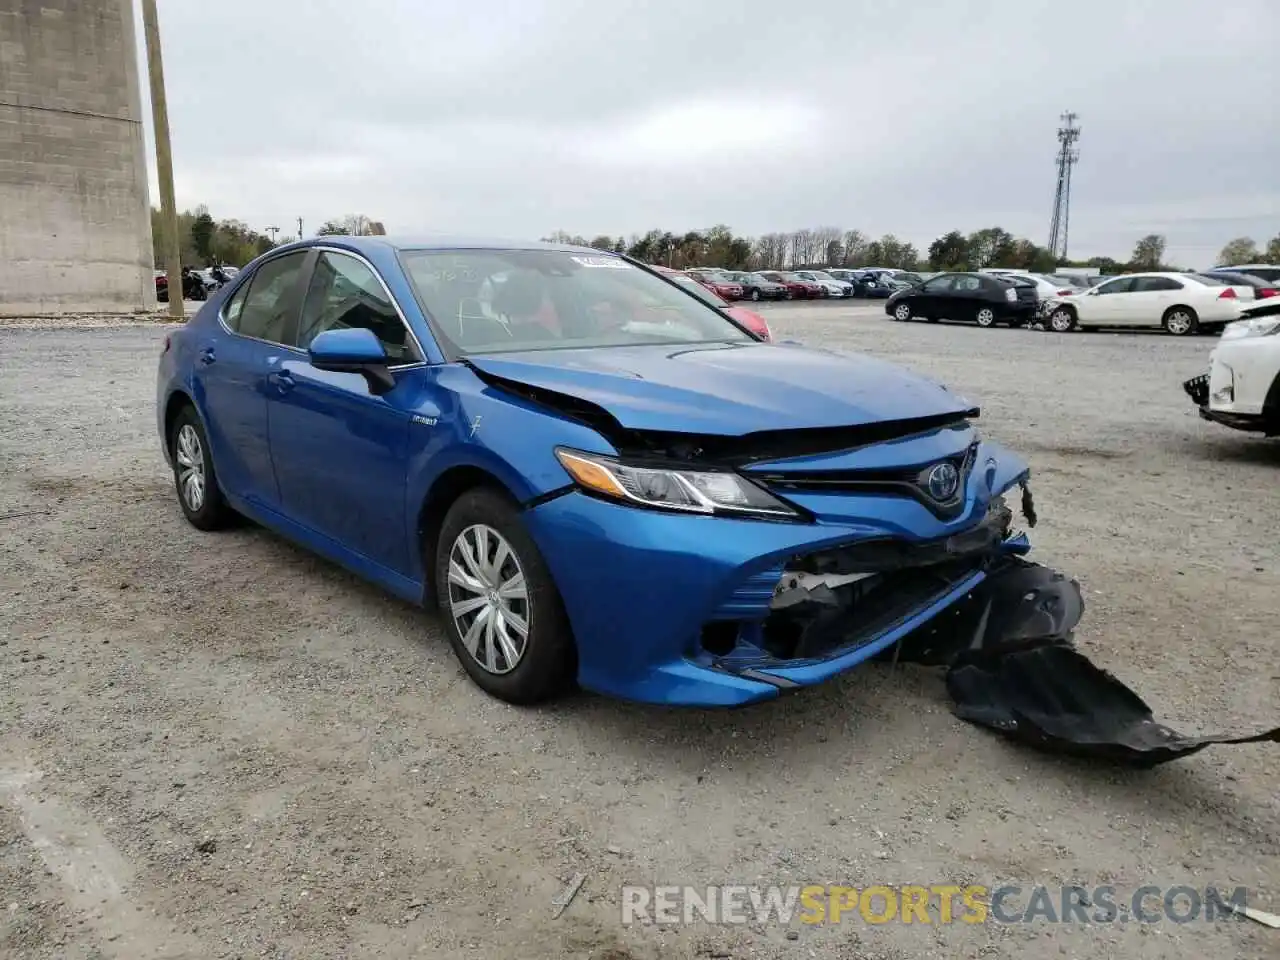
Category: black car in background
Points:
column 1262, row 287
column 982, row 298
column 758, row 287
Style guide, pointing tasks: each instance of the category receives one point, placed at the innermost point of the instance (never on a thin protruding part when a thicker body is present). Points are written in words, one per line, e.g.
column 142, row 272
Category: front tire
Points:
column 1180, row 321
column 194, row 478
column 755, row 295
column 501, row 609
column 902, row 312
column 1062, row 320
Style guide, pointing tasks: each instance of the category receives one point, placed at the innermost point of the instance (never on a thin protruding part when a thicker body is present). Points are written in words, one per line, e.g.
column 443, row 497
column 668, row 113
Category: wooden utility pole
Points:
column 164, row 159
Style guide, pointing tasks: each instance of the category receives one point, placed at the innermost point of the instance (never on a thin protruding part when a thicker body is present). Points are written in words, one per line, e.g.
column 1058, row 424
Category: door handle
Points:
column 207, row 356
column 282, row 380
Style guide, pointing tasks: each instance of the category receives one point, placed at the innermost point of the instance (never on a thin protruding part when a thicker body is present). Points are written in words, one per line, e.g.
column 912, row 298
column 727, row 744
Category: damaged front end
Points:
column 839, row 605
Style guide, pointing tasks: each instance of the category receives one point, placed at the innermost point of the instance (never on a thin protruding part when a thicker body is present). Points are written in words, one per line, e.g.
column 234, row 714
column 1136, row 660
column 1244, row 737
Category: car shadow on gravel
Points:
column 1235, row 448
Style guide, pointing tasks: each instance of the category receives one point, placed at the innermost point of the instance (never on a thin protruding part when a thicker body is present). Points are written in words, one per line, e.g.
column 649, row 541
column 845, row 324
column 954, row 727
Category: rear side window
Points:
column 1155, row 284
column 264, row 314
column 968, row 284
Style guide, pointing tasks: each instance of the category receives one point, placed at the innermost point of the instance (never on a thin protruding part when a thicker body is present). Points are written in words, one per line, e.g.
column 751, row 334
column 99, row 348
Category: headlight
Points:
column 1257, row 327
column 689, row 491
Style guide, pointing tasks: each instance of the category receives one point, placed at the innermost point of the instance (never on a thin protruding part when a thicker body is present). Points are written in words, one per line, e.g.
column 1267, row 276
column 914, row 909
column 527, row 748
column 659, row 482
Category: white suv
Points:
column 1242, row 388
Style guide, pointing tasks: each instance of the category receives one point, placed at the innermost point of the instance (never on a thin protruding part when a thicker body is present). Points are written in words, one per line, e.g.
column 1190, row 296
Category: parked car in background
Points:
column 1242, row 388
column 719, row 282
column 984, row 299
column 193, row 286
column 1263, row 271
column 799, row 288
column 880, row 284
column 756, row 286
column 1262, row 289
column 1072, row 283
column 831, row 287
column 1179, row 302
column 605, row 439
column 747, row 318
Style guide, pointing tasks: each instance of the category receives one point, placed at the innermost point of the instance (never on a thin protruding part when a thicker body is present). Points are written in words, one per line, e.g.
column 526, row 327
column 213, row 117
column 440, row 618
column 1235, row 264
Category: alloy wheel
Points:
column 1179, row 322
column 902, row 312
column 489, row 598
column 189, row 454
column 1061, row 321
column 986, row 317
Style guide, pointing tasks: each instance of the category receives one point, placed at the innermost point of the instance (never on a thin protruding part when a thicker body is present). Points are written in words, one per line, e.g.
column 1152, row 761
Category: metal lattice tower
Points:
column 1068, row 134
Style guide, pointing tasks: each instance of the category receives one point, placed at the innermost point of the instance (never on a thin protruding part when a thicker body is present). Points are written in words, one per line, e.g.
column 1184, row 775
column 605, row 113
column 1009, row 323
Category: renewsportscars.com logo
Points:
column 934, row 904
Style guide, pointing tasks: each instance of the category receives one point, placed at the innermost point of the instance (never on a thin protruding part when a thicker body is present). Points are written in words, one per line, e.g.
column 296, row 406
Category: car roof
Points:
column 441, row 242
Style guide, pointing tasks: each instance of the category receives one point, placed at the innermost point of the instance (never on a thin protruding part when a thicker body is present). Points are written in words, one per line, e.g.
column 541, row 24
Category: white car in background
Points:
column 832, row 286
column 1242, row 388
column 1182, row 303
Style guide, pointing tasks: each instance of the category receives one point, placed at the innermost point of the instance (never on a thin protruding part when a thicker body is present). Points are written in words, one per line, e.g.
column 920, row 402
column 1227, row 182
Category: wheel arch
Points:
column 444, row 490
column 1180, row 306
column 178, row 399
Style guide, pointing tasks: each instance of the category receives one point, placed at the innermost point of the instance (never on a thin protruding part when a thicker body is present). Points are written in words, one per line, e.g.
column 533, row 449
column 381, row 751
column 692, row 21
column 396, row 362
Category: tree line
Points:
column 834, row 247
column 205, row 241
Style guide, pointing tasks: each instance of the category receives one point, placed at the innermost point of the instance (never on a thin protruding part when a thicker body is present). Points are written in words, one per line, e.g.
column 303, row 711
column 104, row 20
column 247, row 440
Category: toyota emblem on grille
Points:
column 943, row 481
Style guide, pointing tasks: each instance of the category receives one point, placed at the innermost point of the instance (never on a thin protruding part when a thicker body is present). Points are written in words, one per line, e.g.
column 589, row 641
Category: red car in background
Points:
column 797, row 286
column 747, row 318
column 718, row 283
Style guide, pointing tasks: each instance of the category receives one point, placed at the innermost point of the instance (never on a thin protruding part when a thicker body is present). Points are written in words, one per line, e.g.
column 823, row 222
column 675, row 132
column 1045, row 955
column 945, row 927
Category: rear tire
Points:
column 985, row 317
column 1180, row 321
column 514, row 589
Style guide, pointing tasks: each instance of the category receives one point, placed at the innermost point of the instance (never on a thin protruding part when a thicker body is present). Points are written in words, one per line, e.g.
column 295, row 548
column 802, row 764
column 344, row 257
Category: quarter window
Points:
column 345, row 293
column 266, row 307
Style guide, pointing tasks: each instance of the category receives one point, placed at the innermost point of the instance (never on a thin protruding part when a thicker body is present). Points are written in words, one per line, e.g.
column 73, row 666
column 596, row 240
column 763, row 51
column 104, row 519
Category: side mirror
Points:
column 354, row 350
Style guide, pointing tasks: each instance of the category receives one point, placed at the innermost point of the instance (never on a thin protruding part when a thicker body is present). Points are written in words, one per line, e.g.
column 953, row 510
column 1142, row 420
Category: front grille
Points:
column 898, row 481
column 868, row 610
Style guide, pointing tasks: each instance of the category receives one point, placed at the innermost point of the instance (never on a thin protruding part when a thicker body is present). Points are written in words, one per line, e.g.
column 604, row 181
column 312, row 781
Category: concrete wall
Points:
column 75, row 223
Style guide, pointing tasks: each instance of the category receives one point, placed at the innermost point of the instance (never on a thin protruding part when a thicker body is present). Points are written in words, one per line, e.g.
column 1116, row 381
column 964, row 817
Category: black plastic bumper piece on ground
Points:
column 1012, row 667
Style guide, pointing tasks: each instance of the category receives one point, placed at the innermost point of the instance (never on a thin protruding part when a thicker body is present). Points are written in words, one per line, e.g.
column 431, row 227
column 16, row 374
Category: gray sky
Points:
column 616, row 116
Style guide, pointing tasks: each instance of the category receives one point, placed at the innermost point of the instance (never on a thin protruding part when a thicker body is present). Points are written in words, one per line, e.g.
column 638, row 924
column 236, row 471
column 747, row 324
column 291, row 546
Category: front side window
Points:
column 492, row 301
column 345, row 293
column 267, row 305
column 1119, row 285
column 938, row 285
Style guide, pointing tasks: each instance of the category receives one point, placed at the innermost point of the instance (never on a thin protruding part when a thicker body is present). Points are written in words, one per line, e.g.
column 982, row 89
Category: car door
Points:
column 966, row 294
column 340, row 450
column 232, row 366
column 929, row 299
column 1150, row 297
column 1104, row 305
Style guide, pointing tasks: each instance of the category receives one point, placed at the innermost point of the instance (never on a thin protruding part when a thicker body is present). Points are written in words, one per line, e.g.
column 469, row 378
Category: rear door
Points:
column 1150, row 298
column 968, row 293
column 340, row 450
column 233, row 364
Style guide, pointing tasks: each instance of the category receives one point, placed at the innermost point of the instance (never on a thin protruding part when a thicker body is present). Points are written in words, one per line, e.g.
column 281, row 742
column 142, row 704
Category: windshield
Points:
column 495, row 301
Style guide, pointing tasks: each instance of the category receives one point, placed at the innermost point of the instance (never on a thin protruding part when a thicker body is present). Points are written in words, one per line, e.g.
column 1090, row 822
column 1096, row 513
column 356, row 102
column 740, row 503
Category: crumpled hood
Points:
column 728, row 389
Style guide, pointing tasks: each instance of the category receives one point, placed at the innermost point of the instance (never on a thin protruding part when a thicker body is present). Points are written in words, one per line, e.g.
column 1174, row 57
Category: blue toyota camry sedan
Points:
column 593, row 474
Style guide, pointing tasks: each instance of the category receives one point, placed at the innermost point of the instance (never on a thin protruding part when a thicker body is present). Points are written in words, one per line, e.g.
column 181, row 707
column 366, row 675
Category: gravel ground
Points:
column 218, row 746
